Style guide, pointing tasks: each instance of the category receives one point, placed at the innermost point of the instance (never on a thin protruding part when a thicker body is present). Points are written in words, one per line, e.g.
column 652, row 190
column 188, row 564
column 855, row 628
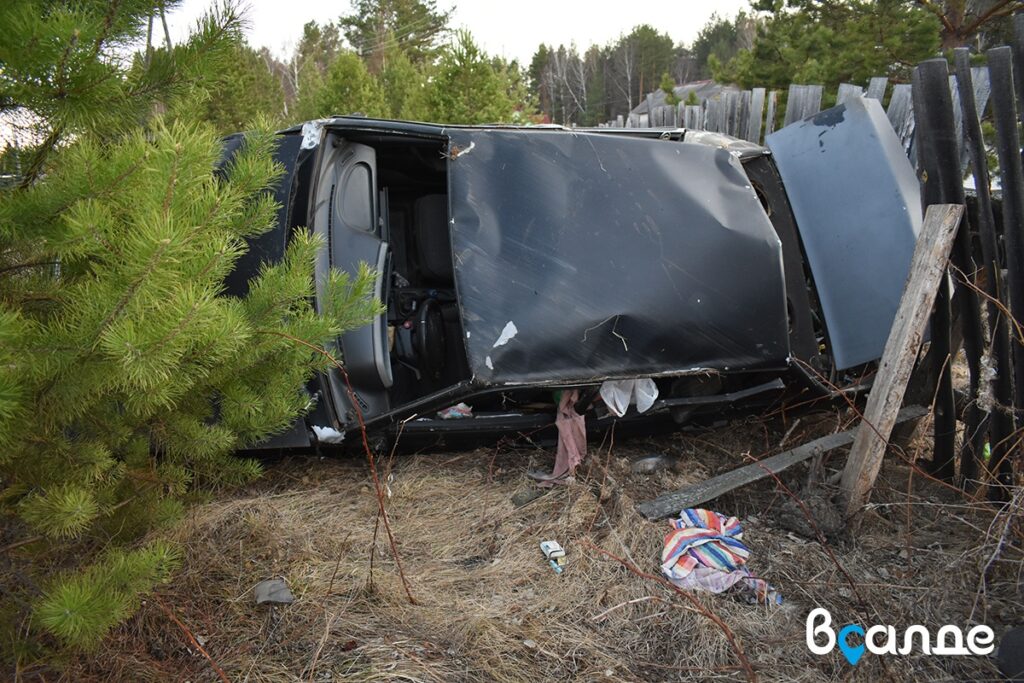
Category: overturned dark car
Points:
column 659, row 274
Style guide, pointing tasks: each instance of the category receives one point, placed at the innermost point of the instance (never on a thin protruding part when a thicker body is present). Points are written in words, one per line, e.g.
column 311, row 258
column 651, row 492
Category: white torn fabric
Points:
column 618, row 394
column 328, row 434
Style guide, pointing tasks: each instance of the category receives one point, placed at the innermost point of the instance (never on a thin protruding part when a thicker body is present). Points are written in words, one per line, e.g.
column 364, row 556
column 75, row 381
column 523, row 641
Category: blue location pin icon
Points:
column 852, row 653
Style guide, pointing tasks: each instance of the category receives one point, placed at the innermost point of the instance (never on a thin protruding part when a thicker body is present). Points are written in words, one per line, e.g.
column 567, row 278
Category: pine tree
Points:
column 246, row 90
column 127, row 378
column 668, row 86
column 350, row 88
column 416, row 27
column 466, row 88
column 811, row 41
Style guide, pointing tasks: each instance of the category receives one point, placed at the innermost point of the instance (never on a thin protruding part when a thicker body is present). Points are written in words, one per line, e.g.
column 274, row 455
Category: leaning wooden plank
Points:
column 670, row 504
column 927, row 268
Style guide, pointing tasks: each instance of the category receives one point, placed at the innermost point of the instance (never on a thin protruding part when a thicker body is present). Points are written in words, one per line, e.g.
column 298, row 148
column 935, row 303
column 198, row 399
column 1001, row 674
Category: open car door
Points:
column 347, row 214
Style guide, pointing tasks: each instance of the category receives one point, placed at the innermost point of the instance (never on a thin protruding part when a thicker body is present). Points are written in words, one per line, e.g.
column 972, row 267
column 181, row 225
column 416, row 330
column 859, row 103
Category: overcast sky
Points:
column 513, row 28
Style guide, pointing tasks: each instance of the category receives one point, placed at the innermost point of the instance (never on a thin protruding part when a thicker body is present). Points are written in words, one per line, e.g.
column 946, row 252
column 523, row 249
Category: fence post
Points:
column 942, row 183
column 1000, row 422
column 1004, row 115
column 804, row 101
column 901, row 114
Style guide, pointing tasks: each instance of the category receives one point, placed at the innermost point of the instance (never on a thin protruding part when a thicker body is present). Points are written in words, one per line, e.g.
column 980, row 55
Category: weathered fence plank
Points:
column 848, row 90
column 731, row 106
column 769, row 119
column 714, row 114
column 693, row 117
column 1000, row 422
column 1011, row 176
column 901, row 113
column 876, row 88
column 756, row 113
column 804, row 101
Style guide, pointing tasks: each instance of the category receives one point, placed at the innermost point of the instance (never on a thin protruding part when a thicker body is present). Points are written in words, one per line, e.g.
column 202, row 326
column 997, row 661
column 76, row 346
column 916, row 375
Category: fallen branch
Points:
column 192, row 639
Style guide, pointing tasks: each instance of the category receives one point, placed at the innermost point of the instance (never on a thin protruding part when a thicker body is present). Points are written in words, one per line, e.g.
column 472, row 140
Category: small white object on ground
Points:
column 328, row 434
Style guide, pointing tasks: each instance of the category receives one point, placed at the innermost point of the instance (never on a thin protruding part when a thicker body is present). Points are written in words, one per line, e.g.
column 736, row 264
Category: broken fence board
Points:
column 876, row 88
column 671, row 504
column 847, row 91
column 927, row 268
column 901, row 114
column 803, row 101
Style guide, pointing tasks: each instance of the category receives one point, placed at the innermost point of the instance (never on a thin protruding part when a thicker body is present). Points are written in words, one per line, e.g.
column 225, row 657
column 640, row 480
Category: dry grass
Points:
column 490, row 608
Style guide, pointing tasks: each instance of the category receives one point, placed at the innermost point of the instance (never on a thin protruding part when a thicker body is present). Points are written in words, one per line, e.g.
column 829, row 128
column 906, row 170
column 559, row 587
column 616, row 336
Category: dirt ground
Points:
column 488, row 607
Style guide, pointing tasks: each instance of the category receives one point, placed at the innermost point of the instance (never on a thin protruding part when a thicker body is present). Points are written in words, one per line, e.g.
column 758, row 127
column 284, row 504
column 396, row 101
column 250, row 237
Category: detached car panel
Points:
column 858, row 204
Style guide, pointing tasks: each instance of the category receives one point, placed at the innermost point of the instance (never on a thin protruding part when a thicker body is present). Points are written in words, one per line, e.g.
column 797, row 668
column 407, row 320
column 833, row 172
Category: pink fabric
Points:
column 572, row 436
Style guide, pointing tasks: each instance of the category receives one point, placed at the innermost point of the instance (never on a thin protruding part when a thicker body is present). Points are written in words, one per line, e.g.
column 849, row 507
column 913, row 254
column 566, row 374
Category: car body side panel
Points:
column 581, row 257
column 857, row 205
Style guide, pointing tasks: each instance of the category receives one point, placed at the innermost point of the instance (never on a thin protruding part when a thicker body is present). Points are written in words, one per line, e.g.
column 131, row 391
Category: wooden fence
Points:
column 753, row 114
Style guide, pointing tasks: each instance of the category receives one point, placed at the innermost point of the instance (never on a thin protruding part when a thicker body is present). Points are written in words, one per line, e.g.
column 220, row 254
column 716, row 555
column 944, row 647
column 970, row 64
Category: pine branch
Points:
column 108, row 23
column 38, row 162
column 172, row 181
column 21, row 266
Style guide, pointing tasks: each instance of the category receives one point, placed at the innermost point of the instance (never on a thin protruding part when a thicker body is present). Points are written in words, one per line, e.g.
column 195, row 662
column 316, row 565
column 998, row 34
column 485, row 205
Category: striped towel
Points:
column 705, row 551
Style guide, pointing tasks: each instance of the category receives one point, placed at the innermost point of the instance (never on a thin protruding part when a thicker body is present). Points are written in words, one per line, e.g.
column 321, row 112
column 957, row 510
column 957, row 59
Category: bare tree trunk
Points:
column 167, row 31
column 149, row 42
